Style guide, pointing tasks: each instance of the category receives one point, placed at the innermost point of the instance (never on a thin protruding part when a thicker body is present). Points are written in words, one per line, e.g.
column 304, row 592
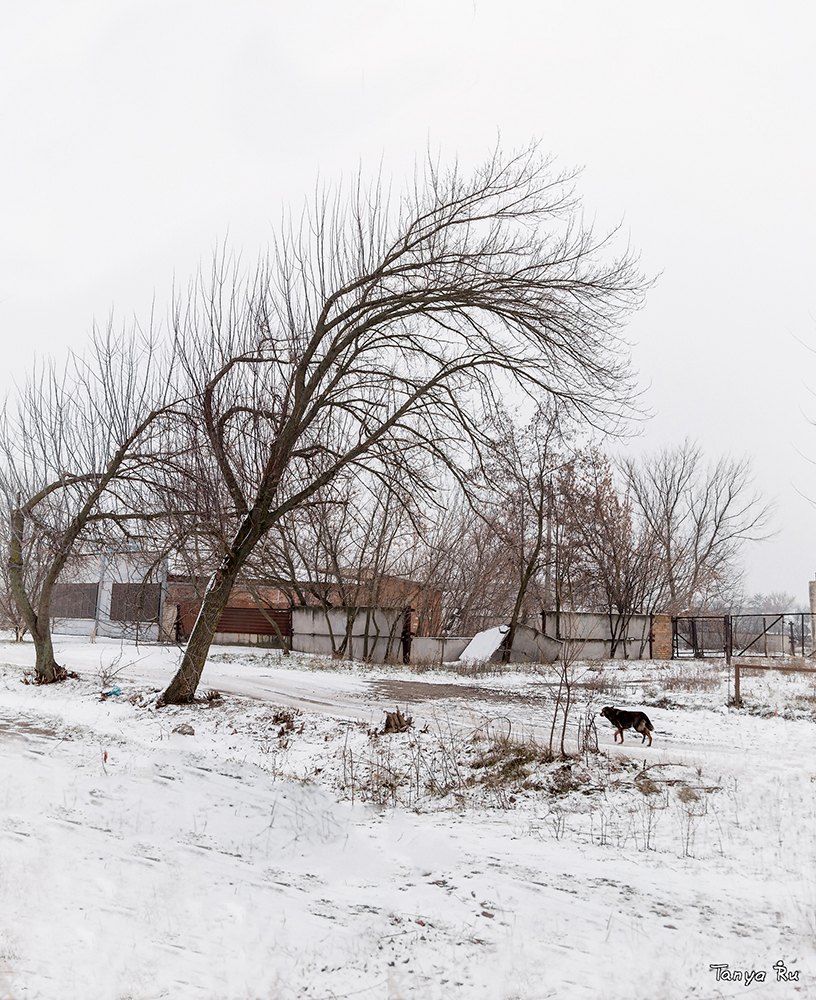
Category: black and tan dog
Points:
column 621, row 719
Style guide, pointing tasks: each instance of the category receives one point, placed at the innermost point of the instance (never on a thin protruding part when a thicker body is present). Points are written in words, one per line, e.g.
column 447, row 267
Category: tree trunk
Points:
column 47, row 669
column 520, row 595
column 182, row 688
column 510, row 638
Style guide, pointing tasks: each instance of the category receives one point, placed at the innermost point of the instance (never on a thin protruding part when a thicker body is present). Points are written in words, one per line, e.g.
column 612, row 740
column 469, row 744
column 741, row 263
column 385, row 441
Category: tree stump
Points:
column 395, row 722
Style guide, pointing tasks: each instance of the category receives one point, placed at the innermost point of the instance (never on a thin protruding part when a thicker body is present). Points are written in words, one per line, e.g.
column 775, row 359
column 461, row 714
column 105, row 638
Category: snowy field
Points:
column 273, row 844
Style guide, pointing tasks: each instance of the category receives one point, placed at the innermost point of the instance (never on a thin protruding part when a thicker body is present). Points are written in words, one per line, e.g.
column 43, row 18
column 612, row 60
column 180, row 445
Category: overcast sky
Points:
column 138, row 135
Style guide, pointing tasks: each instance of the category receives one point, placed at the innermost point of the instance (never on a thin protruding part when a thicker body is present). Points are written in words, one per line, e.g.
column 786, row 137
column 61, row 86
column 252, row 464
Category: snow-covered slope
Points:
column 285, row 848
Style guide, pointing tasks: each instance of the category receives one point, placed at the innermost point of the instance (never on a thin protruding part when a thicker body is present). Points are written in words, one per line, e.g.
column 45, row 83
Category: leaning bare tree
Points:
column 79, row 451
column 377, row 333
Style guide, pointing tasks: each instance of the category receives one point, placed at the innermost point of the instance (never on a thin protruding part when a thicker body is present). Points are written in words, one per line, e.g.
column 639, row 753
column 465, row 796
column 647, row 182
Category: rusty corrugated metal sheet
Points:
column 254, row 622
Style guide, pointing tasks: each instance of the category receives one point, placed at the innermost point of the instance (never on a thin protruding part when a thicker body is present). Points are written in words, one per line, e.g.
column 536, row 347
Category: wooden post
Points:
column 728, row 640
column 737, row 697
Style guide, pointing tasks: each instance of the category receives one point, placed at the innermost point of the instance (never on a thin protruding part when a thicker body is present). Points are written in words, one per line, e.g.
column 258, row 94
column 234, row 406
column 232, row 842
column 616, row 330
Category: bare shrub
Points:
column 108, row 673
column 557, row 817
column 693, row 806
column 481, row 668
column 562, row 780
column 285, row 718
column 588, row 733
column 650, row 807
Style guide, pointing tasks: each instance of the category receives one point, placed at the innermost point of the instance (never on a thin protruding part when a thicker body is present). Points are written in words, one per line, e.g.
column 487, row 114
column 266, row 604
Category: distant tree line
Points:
column 339, row 412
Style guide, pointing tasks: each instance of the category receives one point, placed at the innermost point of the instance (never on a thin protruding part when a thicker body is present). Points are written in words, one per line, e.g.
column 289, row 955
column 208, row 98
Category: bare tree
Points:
column 460, row 569
column 699, row 516
column 612, row 564
column 660, row 533
column 343, row 549
column 460, row 554
column 776, row 602
column 377, row 334
column 75, row 455
column 515, row 503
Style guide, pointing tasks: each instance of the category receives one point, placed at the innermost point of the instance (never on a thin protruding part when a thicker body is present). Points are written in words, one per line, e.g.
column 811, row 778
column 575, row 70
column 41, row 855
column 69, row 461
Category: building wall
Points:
column 107, row 569
column 245, row 639
column 183, row 600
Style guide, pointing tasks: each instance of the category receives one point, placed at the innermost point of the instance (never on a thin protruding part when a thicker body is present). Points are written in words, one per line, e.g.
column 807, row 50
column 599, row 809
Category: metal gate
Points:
column 768, row 635
column 699, row 636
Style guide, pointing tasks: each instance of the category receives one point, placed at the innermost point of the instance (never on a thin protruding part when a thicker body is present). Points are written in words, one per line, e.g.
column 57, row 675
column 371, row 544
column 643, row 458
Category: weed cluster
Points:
column 692, row 675
column 598, row 681
column 506, row 761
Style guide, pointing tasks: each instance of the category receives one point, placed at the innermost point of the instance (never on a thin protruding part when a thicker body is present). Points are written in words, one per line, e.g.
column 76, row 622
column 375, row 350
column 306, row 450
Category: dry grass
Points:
column 510, row 760
column 599, row 681
column 692, row 675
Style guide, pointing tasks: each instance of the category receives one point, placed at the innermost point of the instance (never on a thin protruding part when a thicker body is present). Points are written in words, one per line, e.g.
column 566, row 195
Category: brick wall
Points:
column 661, row 637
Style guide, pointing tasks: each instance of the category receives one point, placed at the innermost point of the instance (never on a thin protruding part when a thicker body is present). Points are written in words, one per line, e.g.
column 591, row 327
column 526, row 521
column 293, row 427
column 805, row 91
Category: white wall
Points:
column 588, row 635
column 375, row 633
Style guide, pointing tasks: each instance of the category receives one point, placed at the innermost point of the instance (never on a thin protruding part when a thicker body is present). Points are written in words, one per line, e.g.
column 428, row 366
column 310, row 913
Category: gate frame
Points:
column 728, row 621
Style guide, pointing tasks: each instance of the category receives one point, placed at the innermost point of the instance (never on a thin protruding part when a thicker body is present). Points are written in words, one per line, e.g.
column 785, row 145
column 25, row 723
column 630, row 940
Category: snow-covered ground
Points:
column 273, row 843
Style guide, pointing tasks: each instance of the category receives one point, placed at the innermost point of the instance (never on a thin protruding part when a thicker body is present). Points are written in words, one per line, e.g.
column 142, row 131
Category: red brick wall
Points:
column 661, row 637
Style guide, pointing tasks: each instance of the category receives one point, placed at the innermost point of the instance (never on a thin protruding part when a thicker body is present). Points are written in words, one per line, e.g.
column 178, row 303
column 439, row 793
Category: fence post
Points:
column 737, row 696
column 729, row 642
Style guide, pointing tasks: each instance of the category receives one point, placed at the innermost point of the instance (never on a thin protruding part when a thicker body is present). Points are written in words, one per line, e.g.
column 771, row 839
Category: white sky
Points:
column 137, row 135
